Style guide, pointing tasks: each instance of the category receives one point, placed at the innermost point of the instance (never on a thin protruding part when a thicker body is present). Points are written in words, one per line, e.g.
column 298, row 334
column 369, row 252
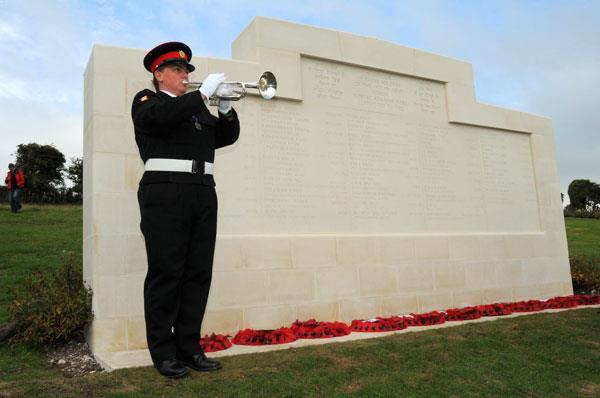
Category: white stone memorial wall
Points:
column 373, row 184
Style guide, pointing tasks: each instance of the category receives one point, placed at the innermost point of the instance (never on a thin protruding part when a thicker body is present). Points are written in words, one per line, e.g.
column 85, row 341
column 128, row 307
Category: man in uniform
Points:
column 177, row 137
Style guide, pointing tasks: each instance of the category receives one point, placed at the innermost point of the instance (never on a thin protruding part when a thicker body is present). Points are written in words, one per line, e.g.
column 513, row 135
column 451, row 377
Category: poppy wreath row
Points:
column 311, row 329
column 392, row 323
column 468, row 313
column 379, row 324
column 264, row 337
column 215, row 342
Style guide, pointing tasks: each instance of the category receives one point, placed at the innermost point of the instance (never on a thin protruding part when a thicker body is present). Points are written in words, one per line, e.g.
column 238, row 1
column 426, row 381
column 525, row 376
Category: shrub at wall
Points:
column 54, row 307
column 585, row 273
column 581, row 213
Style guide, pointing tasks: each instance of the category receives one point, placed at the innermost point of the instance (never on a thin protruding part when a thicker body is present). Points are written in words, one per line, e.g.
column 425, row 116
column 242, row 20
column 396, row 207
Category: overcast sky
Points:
column 541, row 57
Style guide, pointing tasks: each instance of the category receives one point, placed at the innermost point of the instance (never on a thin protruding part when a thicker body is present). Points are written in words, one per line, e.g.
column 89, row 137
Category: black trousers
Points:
column 179, row 224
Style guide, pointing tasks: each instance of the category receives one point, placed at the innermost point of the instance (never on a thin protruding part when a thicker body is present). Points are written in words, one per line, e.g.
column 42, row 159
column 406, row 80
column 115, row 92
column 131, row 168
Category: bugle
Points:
column 266, row 86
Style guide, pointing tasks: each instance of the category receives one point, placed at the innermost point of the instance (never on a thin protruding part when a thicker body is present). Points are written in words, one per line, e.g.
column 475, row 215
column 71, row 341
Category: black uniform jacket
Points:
column 179, row 128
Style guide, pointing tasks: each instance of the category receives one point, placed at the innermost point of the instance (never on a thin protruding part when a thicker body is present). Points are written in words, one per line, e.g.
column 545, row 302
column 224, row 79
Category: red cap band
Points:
column 173, row 54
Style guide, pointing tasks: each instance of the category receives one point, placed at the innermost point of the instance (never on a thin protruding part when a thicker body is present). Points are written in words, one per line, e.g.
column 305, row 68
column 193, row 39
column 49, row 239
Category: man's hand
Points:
column 210, row 84
column 224, row 105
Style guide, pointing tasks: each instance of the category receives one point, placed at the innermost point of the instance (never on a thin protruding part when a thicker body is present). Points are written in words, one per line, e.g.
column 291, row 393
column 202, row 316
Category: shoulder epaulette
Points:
column 143, row 96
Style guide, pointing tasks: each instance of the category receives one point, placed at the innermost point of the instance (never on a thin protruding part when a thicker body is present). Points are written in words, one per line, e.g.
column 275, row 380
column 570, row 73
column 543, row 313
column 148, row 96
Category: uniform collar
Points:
column 170, row 94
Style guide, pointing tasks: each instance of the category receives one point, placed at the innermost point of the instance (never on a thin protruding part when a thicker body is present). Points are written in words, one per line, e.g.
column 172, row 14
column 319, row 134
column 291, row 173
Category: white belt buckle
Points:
column 179, row 165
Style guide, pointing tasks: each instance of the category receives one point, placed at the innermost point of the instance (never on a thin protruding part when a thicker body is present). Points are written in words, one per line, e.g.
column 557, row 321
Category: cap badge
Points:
column 181, row 54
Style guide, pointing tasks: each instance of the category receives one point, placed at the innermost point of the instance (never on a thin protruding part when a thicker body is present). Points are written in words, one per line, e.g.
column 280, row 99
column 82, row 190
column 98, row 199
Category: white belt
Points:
column 186, row 166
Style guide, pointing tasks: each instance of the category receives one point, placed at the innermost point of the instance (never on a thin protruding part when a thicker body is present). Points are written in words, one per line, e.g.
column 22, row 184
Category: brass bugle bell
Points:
column 266, row 86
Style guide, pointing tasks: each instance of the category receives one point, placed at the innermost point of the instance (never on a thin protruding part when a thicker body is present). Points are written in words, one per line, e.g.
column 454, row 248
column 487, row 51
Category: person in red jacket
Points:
column 15, row 181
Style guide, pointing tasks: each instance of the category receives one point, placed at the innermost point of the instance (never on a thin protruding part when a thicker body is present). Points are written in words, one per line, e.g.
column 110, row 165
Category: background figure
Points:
column 15, row 181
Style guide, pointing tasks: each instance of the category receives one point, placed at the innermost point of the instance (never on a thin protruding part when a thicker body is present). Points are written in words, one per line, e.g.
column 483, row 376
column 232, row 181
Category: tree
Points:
column 584, row 194
column 43, row 166
column 75, row 174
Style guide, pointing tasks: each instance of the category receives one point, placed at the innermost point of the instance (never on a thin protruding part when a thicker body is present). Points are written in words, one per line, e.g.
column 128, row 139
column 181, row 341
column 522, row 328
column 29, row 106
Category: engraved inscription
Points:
column 373, row 152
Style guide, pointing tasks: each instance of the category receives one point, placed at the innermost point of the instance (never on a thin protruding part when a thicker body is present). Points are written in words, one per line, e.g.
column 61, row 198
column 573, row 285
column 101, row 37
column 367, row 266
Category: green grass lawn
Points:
column 35, row 239
column 583, row 235
column 533, row 356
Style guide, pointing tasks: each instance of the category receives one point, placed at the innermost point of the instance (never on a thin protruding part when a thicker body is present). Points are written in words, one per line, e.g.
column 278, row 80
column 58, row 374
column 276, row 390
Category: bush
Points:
column 581, row 213
column 585, row 274
column 54, row 307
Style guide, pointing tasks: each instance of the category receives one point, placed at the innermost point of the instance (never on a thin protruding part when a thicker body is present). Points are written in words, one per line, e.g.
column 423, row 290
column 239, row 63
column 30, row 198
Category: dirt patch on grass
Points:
column 126, row 387
column 590, row 390
column 5, row 393
column 343, row 362
column 73, row 359
column 352, row 387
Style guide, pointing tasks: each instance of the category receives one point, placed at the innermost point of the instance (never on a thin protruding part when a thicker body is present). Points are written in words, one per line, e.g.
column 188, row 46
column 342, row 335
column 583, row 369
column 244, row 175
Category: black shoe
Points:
column 171, row 368
column 201, row 362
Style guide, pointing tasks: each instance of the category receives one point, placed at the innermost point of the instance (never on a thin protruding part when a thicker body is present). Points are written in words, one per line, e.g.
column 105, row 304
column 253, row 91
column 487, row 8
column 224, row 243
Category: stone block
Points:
column 519, row 246
column 117, row 61
column 88, row 261
column 266, row 253
column 105, row 290
column 109, row 173
column 244, row 47
column 109, row 252
column 399, row 305
column 291, row 286
column 527, row 292
column 114, row 134
column 105, row 220
column 509, row 272
column 468, row 298
column 321, row 311
column 239, row 288
column 432, row 248
column 337, row 283
column 549, row 290
column 435, row 301
column 134, row 169
column 129, row 295
column 108, row 335
column 135, row 254
column 136, row 333
column 497, row 295
column 313, row 252
column 129, row 214
column 222, row 322
column 567, row 288
column 493, row 247
column 285, row 65
column 228, row 254
column 353, row 251
column 435, row 67
column 365, row 308
column 464, row 247
column 376, row 53
column 396, row 250
column 377, row 281
column 480, row 274
column 449, row 276
column 297, row 38
column 268, row 317
column 541, row 246
column 415, row 278
column 107, row 100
